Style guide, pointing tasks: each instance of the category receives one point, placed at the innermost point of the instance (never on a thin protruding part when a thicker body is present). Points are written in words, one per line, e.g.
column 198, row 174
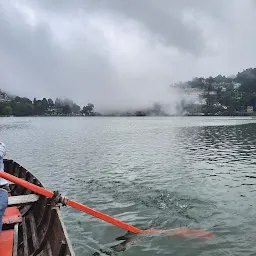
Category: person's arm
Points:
column 2, row 150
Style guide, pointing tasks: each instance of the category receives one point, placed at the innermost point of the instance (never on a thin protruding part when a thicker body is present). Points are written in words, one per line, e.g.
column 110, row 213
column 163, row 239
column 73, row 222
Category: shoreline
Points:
column 246, row 116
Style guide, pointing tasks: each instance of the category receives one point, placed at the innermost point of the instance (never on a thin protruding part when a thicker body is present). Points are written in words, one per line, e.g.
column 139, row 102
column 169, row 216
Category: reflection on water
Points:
column 158, row 173
column 121, row 246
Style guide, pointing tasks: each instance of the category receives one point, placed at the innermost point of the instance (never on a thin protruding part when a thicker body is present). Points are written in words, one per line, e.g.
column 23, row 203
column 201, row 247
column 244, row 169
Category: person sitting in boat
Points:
column 4, row 185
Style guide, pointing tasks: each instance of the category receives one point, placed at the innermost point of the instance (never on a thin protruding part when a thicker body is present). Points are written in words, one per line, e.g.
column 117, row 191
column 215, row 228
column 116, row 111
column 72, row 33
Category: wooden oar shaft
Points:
column 26, row 184
column 74, row 204
column 103, row 216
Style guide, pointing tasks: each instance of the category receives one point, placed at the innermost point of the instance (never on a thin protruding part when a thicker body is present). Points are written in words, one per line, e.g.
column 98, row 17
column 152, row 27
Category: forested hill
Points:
column 222, row 95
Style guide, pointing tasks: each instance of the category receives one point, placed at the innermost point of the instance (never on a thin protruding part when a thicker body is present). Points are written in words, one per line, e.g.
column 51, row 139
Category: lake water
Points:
column 156, row 173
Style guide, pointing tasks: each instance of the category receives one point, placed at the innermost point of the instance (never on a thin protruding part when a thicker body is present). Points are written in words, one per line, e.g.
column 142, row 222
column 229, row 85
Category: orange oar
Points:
column 49, row 194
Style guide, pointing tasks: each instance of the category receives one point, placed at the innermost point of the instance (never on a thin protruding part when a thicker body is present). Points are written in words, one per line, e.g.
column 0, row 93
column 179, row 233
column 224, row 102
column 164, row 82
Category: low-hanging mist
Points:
column 121, row 56
column 169, row 101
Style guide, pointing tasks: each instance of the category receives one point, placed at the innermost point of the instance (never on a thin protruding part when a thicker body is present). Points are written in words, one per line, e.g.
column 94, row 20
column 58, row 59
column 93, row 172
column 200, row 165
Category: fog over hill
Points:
column 121, row 55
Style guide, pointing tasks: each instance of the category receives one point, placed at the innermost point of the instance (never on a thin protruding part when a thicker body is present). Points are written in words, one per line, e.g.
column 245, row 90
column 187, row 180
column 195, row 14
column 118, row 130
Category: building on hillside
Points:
column 236, row 85
column 223, row 88
column 52, row 110
column 250, row 109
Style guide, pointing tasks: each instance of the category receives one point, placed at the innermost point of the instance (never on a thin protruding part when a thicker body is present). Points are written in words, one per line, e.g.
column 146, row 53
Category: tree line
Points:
column 22, row 106
column 218, row 95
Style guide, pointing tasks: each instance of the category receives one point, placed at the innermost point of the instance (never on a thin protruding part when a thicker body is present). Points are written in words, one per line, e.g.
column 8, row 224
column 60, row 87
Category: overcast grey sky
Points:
column 120, row 53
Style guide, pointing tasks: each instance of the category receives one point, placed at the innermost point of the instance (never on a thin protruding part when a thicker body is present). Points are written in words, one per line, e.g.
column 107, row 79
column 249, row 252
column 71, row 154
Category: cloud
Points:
column 119, row 54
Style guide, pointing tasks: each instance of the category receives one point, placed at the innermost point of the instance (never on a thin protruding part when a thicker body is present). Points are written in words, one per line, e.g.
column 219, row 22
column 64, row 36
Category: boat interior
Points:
column 32, row 224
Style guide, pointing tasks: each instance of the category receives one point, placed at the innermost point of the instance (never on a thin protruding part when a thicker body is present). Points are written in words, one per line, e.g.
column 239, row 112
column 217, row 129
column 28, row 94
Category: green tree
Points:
column 7, row 111
column 76, row 109
column 58, row 103
column 50, row 102
column 45, row 104
column 38, row 108
column 66, row 110
column 23, row 109
column 88, row 110
column 247, row 78
column 157, row 109
column 2, row 106
column 22, row 100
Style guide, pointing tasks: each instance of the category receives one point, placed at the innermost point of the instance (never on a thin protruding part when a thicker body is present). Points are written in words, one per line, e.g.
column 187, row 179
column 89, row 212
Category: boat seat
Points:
column 6, row 242
column 11, row 215
column 23, row 199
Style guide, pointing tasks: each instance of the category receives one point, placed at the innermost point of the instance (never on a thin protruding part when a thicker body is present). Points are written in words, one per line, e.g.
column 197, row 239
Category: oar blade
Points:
column 183, row 232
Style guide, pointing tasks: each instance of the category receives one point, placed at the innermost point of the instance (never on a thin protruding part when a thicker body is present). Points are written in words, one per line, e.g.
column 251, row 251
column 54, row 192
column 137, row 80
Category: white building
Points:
column 236, row 85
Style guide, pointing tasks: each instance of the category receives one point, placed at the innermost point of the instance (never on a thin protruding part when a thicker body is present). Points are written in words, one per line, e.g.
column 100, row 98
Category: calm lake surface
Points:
column 156, row 173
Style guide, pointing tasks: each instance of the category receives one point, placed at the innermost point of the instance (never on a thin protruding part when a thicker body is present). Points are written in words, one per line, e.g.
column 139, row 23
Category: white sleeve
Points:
column 2, row 150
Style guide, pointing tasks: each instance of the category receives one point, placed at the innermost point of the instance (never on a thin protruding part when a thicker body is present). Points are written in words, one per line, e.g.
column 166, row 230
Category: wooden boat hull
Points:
column 41, row 231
